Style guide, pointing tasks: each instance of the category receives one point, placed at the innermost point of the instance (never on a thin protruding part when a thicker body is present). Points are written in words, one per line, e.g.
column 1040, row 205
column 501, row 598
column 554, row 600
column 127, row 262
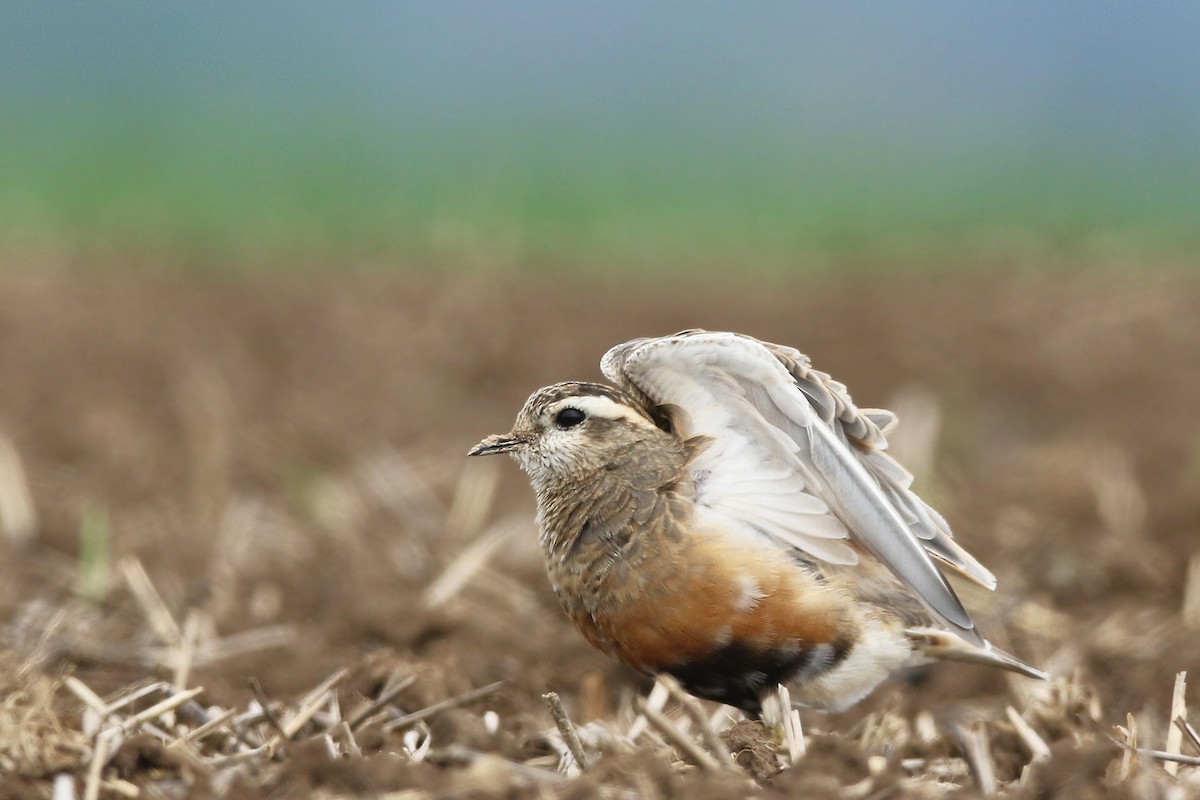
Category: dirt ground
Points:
column 249, row 485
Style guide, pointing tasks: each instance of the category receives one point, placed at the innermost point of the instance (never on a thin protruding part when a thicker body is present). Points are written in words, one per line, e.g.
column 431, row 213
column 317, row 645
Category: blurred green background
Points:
column 513, row 134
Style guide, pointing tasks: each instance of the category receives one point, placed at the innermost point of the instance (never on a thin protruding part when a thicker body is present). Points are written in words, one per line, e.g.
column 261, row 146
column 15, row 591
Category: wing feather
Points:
column 865, row 429
column 791, row 457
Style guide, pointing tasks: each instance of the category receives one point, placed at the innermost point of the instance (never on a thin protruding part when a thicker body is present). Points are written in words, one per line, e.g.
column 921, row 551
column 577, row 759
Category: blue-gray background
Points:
column 519, row 129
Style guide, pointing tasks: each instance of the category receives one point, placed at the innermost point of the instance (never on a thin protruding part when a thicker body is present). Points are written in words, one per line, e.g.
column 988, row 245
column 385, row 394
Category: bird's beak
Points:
column 496, row 443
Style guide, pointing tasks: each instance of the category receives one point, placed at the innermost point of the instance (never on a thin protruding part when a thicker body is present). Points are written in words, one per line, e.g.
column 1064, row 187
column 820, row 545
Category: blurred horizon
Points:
column 513, row 132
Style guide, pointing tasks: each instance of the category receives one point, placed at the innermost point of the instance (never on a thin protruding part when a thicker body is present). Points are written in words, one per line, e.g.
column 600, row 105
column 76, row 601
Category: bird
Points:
column 724, row 513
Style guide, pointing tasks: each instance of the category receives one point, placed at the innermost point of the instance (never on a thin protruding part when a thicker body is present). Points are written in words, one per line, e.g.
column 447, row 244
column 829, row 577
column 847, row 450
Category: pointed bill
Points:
column 496, row 443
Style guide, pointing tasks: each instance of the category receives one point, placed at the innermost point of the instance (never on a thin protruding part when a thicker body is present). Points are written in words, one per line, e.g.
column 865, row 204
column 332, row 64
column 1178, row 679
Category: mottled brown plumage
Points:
column 687, row 529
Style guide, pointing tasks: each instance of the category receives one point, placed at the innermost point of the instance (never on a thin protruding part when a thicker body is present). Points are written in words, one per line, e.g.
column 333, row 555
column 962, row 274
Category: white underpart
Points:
column 749, row 593
column 877, row 654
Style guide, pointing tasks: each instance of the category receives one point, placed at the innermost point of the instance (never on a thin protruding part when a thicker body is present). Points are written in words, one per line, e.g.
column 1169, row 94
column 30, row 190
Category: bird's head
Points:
column 576, row 431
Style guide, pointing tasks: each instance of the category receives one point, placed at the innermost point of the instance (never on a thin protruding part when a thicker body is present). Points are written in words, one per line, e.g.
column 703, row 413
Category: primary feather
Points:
column 791, row 457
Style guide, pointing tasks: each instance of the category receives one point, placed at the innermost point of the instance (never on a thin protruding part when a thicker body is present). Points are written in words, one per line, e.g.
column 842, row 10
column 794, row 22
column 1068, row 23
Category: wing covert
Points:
column 789, row 455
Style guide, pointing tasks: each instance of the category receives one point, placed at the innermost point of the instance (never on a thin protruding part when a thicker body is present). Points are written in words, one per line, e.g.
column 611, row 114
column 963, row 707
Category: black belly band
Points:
column 738, row 674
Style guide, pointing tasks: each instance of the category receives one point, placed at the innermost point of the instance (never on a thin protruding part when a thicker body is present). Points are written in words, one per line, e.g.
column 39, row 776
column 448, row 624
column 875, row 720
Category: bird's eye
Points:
column 569, row 418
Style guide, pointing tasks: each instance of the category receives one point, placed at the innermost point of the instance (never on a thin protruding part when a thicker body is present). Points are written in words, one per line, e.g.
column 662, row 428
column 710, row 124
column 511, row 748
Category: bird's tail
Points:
column 937, row 643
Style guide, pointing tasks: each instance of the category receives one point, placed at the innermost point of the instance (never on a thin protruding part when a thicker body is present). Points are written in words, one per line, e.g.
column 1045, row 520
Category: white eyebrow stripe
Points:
column 603, row 407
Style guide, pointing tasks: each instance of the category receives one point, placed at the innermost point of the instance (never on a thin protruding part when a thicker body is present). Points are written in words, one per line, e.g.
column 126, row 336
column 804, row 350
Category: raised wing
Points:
column 863, row 430
column 790, row 455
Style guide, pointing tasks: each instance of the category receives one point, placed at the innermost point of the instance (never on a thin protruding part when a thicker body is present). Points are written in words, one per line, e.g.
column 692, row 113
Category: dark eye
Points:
column 569, row 418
